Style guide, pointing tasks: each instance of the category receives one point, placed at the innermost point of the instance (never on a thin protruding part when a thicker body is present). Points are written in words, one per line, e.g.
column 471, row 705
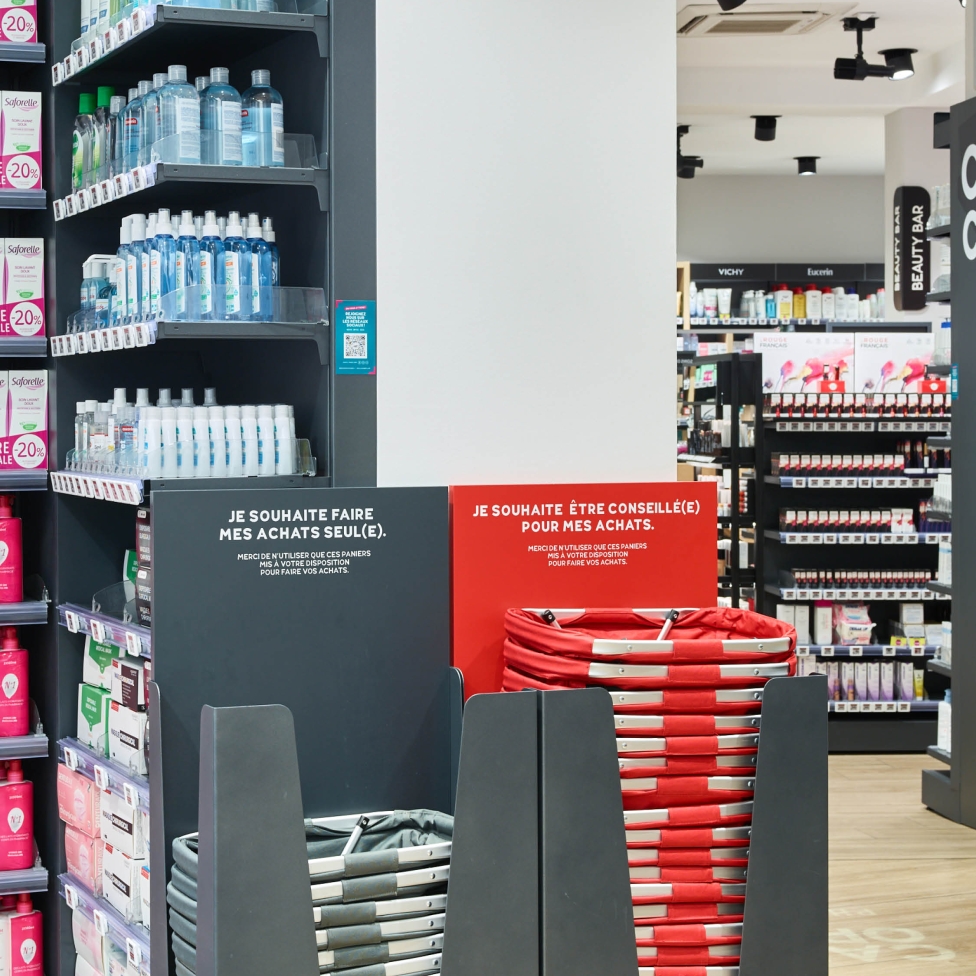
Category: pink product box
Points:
column 83, row 855
column 18, row 22
column 22, row 298
column 79, row 803
column 23, row 419
column 20, row 140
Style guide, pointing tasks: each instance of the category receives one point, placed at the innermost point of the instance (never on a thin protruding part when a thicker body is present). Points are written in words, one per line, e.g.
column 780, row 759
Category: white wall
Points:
column 526, row 224
column 910, row 160
column 781, row 218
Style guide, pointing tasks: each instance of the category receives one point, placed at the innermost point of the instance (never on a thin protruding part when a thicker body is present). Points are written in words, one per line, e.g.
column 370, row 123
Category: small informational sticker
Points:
column 355, row 332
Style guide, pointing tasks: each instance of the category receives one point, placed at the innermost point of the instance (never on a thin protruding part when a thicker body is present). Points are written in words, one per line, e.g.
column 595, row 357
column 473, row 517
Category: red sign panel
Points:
column 573, row 546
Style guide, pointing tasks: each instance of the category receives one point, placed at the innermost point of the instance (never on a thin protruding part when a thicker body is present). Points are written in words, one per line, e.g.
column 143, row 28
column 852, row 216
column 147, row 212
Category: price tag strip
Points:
column 126, row 491
column 135, row 640
column 131, row 336
column 804, row 595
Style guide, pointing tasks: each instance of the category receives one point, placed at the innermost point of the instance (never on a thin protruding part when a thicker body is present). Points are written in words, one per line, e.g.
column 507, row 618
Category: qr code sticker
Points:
column 354, row 345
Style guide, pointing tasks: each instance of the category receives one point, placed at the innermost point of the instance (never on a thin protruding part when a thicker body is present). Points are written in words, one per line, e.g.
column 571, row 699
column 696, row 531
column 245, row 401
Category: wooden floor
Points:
column 902, row 879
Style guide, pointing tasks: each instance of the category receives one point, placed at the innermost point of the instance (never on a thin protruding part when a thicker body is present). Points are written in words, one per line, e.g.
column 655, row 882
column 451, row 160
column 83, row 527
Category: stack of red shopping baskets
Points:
column 687, row 709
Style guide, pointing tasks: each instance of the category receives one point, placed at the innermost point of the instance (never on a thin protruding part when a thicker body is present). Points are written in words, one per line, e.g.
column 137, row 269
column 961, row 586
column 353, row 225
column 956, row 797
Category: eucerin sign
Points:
column 820, row 272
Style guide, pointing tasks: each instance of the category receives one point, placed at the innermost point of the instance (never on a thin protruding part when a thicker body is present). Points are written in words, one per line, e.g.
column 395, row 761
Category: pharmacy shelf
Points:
column 882, row 707
column 106, row 773
column 857, row 538
column 135, row 640
column 23, row 53
column 34, row 746
column 800, row 594
column 194, row 33
column 938, row 298
column 723, row 325
column 24, row 347
column 939, row 667
column 813, row 425
column 134, row 491
column 943, row 230
column 936, row 753
column 880, row 733
column 23, row 199
column 944, row 589
column 135, row 336
column 27, row 880
column 23, row 480
column 940, row 442
column 22, row 614
column 130, row 936
column 148, row 179
column 863, row 650
column 851, row 481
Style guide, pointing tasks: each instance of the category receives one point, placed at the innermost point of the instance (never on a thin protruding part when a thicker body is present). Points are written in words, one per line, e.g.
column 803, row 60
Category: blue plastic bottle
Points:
column 269, row 235
column 220, row 112
column 148, row 252
column 133, row 269
column 179, row 106
column 262, row 296
column 237, row 271
column 186, row 291
column 164, row 268
column 212, row 281
column 263, row 122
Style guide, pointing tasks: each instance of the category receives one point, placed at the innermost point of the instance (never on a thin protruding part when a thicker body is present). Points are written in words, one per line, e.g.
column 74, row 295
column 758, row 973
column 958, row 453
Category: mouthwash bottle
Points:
column 179, row 105
column 237, row 271
column 221, row 117
column 263, row 122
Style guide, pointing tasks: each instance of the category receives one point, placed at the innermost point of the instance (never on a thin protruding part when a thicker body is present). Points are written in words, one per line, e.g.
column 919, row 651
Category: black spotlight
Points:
column 687, row 164
column 857, row 69
column 806, row 165
column 899, row 62
column 766, row 127
column 732, row 4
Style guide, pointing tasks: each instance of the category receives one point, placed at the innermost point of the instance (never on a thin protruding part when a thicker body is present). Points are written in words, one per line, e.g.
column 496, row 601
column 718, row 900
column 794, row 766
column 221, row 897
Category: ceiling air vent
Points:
column 757, row 20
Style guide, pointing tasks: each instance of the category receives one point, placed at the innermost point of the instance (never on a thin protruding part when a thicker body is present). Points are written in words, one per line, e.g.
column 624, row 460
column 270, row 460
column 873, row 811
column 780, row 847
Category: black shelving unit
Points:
column 849, row 730
column 738, row 385
column 324, row 211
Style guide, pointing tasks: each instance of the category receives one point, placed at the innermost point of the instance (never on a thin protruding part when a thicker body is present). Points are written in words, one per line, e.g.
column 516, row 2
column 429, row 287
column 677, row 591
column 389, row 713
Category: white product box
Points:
column 861, row 680
column 906, row 681
column 88, row 943
column 887, row 681
column 874, row 680
column 20, row 151
column 911, row 613
column 121, row 825
column 833, row 681
column 944, row 726
column 127, row 737
column 847, row 680
column 121, row 884
column 128, row 687
column 802, row 623
column 22, row 303
column 93, row 709
column 823, row 624
column 787, row 613
column 97, row 667
column 83, row 968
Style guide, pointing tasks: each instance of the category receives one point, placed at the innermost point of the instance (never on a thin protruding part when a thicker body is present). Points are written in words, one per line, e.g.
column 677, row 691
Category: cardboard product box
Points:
column 25, row 441
column 127, row 737
column 130, row 566
column 144, row 596
column 22, row 309
column 833, row 681
column 121, row 883
column 83, row 856
column 121, row 825
column 79, row 801
column 802, row 623
column 144, row 532
column 82, row 966
column 874, row 680
column 97, row 666
column 887, row 681
column 906, row 681
column 20, row 152
column 93, row 709
column 823, row 624
column 861, row 680
column 87, row 942
column 18, row 21
column 128, row 684
column 911, row 613
column 847, row 680
column 787, row 613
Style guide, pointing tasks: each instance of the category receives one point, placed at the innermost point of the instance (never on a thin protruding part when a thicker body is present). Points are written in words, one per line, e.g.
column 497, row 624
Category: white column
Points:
column 910, row 160
column 526, row 241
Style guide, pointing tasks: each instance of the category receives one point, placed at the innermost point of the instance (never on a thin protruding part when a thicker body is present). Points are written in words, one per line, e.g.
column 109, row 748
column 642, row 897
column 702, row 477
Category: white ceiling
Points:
column 722, row 81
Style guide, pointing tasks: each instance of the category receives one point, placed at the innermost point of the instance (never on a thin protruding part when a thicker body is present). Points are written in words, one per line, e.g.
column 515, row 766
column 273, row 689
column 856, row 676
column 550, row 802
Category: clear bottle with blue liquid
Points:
column 212, row 271
column 262, row 296
column 262, row 122
column 179, row 106
column 237, row 271
column 220, row 111
column 186, row 290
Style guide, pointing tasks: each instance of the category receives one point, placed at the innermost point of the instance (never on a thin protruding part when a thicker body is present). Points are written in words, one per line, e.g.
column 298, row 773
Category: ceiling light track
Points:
column 898, row 61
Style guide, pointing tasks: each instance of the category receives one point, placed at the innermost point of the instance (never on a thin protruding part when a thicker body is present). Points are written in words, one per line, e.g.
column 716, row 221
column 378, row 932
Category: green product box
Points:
column 97, row 669
column 93, row 709
column 131, row 565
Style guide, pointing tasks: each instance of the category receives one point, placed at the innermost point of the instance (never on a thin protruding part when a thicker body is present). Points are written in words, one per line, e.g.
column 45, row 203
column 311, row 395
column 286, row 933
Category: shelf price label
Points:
column 857, row 651
column 826, row 652
column 133, row 644
column 101, row 776
column 70, row 897
column 101, row 921
column 97, row 630
column 887, row 651
column 70, row 758
column 918, row 651
column 131, row 795
column 71, row 620
column 133, row 952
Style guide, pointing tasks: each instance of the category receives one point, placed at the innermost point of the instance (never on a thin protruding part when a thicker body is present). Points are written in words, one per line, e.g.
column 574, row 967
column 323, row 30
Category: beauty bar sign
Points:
column 911, row 269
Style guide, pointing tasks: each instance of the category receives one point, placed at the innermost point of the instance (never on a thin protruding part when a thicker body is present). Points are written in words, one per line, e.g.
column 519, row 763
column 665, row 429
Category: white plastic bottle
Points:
column 814, row 299
column 235, row 453
column 266, row 440
column 170, row 463
column 218, row 442
column 828, row 309
column 154, row 442
column 201, row 442
column 249, row 439
column 284, row 445
column 184, row 442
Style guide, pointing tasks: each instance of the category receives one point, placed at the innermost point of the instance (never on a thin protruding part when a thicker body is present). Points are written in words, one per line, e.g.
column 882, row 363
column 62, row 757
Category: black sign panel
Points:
column 732, row 273
column 911, row 266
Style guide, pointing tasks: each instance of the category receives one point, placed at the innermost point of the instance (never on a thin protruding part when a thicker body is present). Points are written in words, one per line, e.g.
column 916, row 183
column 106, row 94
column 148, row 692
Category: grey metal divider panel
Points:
column 254, row 902
column 784, row 930
column 493, row 910
column 539, row 878
column 587, row 912
column 359, row 651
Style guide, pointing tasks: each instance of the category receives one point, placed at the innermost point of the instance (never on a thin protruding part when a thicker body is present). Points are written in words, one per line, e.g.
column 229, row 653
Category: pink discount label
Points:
column 18, row 22
column 22, row 318
column 24, row 451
